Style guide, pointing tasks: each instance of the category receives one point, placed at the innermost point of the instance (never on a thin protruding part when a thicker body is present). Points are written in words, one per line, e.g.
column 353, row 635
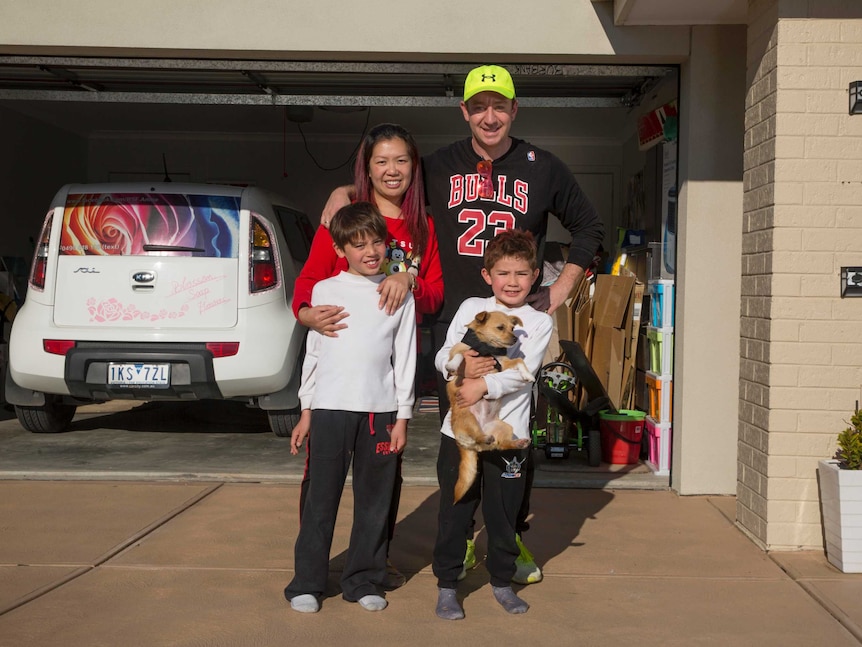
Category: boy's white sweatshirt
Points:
column 508, row 386
column 371, row 365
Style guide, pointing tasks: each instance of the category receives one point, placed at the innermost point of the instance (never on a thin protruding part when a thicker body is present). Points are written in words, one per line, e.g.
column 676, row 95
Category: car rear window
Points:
column 130, row 224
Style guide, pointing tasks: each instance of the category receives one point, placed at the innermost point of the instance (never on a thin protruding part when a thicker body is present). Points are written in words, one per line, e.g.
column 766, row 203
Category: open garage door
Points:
column 309, row 83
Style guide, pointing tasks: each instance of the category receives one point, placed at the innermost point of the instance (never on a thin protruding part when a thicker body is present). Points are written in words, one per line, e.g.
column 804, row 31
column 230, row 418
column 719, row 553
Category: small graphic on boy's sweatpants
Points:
column 513, row 469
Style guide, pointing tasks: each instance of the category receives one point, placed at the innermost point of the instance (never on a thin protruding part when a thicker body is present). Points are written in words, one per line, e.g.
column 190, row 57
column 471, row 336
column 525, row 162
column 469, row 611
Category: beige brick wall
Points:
column 759, row 202
column 800, row 345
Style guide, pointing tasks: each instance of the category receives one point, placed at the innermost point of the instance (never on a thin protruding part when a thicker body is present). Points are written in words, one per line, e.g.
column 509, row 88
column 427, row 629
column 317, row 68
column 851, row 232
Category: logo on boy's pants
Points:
column 513, row 469
column 384, row 448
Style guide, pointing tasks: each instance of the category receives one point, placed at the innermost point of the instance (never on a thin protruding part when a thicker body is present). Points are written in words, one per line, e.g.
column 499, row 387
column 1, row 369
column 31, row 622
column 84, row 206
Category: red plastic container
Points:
column 621, row 435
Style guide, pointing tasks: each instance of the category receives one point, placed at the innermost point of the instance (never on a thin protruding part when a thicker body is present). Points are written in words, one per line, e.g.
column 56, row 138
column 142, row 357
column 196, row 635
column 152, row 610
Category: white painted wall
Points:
column 326, row 28
column 709, row 238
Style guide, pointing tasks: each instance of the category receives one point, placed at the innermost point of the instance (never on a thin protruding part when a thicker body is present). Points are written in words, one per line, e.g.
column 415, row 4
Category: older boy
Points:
column 510, row 269
column 357, row 394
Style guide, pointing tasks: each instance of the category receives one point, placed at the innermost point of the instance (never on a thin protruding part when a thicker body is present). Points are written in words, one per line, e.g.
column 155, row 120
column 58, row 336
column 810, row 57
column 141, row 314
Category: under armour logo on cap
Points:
column 489, row 78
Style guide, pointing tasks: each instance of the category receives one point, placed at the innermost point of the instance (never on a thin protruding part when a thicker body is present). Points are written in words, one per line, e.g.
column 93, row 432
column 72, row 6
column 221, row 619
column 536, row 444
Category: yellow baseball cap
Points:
column 491, row 78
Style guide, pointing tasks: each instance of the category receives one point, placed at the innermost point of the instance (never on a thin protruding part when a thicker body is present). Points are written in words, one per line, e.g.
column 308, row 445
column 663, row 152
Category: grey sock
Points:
column 372, row 602
column 305, row 603
column 448, row 607
column 508, row 600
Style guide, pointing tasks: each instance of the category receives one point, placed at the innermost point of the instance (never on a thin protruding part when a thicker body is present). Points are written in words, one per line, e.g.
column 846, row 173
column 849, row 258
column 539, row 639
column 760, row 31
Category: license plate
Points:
column 154, row 376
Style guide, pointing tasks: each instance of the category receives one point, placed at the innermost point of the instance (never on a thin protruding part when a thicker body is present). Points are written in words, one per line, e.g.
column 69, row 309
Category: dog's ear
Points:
column 482, row 317
column 516, row 321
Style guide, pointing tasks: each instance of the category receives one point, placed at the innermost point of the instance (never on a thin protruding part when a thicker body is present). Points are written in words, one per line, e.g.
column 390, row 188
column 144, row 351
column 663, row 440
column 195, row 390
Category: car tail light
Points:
column 57, row 346
column 40, row 258
column 263, row 272
column 223, row 348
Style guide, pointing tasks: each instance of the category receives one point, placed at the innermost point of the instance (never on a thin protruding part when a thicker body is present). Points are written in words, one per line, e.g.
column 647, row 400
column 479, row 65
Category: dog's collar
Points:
column 486, row 350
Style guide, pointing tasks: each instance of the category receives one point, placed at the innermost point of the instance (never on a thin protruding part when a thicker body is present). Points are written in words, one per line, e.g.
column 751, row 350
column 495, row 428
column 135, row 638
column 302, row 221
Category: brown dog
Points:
column 478, row 428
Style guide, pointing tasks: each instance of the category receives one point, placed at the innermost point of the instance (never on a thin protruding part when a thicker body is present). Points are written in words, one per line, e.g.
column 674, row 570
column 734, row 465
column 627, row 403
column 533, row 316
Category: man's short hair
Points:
column 356, row 221
column 511, row 243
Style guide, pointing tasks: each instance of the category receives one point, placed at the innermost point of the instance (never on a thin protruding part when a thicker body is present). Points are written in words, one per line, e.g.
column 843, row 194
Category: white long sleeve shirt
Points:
column 508, row 386
column 371, row 365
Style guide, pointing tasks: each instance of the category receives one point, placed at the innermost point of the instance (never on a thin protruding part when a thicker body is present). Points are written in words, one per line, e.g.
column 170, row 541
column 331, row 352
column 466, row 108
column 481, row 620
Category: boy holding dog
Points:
column 510, row 268
column 357, row 393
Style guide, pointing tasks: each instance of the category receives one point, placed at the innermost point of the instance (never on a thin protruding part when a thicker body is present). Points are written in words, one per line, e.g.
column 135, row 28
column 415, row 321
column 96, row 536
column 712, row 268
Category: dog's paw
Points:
column 488, row 440
column 453, row 364
column 522, row 443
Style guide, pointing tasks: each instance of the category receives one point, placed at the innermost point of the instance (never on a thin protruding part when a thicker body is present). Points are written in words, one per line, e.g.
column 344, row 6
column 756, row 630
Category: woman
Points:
column 387, row 173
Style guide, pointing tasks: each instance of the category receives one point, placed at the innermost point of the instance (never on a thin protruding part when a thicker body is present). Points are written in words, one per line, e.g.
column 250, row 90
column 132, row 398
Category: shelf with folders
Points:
column 658, row 379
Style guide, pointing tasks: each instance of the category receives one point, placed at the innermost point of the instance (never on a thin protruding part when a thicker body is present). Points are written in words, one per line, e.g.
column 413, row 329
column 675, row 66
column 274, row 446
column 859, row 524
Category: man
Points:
column 516, row 187
column 479, row 186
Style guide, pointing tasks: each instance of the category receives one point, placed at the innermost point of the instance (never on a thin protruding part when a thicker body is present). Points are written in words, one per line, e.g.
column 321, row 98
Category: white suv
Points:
column 160, row 292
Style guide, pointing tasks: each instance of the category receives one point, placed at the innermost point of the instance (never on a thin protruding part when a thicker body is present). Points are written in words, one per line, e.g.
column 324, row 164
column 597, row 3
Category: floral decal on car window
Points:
column 108, row 310
column 121, row 224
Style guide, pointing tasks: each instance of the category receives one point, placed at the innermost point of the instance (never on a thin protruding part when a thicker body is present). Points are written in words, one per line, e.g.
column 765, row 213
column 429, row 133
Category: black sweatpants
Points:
column 342, row 438
column 438, row 334
column 396, row 491
column 500, row 487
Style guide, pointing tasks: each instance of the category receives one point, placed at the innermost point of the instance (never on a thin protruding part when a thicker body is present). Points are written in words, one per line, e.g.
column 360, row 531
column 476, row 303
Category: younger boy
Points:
column 357, row 395
column 510, row 268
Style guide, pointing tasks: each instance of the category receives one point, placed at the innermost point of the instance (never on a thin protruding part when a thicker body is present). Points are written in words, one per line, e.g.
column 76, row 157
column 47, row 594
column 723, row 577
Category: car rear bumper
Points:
column 191, row 371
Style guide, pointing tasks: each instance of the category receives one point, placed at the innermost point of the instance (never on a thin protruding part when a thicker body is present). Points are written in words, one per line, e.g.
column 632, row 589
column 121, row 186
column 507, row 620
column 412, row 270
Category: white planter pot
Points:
column 841, row 504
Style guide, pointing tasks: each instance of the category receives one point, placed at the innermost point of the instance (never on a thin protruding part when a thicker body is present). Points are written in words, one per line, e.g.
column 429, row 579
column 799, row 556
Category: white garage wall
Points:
column 326, row 28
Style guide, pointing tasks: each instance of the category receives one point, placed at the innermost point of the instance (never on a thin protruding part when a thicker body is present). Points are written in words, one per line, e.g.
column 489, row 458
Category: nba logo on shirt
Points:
column 531, row 156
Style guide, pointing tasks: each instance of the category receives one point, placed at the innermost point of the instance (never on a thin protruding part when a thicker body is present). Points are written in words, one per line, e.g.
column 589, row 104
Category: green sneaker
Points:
column 526, row 569
column 469, row 559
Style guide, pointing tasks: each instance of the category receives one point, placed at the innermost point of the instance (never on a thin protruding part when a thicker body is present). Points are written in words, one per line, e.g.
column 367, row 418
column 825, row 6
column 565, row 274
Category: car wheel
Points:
column 282, row 421
column 51, row 418
column 594, row 447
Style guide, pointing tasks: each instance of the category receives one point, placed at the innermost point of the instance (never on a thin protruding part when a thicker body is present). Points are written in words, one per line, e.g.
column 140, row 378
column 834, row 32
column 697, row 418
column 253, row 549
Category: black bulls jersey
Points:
column 528, row 184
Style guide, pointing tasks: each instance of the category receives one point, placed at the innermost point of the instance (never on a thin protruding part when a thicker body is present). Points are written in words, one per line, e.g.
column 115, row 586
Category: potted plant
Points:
column 841, row 499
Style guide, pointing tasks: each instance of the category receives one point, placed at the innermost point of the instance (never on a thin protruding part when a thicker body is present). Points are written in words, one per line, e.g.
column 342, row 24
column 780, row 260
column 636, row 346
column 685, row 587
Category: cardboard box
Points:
column 572, row 322
column 612, row 317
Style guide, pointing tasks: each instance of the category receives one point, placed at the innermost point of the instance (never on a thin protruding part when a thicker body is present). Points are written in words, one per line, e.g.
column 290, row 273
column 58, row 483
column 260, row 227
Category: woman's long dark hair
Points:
column 413, row 202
